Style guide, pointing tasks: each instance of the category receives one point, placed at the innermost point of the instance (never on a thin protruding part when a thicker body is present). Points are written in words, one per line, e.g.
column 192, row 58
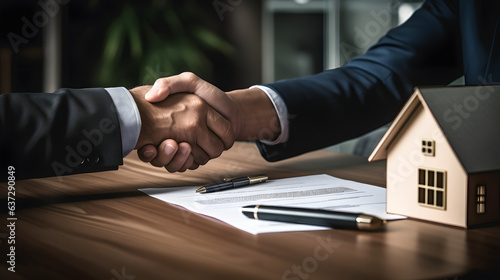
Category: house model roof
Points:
column 469, row 118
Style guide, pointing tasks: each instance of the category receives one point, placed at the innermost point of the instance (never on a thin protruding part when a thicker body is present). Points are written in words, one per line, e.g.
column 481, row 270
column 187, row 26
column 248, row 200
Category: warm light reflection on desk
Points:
column 97, row 226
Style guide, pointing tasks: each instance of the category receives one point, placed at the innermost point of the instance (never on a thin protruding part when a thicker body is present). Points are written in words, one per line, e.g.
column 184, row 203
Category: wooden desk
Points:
column 98, row 226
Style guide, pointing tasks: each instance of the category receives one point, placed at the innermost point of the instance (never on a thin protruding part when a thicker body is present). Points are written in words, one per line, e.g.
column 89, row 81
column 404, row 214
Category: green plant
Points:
column 160, row 38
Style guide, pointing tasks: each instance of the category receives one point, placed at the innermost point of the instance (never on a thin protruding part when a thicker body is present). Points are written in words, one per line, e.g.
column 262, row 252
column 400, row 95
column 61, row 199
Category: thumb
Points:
column 163, row 87
column 157, row 92
column 147, row 153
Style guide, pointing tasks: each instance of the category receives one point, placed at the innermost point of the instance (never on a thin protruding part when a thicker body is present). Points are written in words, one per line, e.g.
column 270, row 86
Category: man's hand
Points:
column 250, row 111
column 174, row 157
column 190, row 83
column 188, row 120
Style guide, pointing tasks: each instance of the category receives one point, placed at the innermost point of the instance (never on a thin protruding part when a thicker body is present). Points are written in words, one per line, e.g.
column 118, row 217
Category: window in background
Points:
column 298, row 47
column 299, row 38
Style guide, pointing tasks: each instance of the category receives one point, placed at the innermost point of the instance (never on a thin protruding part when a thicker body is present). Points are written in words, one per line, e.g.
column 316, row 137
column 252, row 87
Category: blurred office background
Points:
column 48, row 44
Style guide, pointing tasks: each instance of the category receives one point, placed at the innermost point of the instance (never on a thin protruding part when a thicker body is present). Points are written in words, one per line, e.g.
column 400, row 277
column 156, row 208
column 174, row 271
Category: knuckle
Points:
column 170, row 169
column 194, row 166
column 201, row 159
column 218, row 153
column 163, row 85
column 197, row 102
column 215, row 153
column 192, row 125
column 156, row 163
column 189, row 76
column 199, row 156
column 161, row 82
column 217, row 149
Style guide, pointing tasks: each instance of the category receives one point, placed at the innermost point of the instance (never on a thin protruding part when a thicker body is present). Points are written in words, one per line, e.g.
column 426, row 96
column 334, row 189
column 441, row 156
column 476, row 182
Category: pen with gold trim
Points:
column 233, row 183
column 318, row 217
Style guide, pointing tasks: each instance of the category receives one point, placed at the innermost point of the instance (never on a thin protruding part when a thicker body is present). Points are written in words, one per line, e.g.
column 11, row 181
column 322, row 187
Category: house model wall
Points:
column 443, row 158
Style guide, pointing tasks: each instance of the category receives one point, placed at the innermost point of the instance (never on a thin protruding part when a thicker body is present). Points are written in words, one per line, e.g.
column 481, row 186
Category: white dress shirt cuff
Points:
column 128, row 114
column 281, row 110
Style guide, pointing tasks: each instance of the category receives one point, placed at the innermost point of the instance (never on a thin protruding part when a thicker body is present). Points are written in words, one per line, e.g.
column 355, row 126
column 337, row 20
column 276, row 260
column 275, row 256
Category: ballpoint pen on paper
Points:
column 334, row 219
column 233, row 183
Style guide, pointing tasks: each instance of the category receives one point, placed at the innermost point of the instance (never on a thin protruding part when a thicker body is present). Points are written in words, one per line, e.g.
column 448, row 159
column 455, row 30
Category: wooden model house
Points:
column 443, row 156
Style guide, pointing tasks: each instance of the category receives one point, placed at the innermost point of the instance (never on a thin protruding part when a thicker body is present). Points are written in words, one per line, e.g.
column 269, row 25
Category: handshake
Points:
column 187, row 121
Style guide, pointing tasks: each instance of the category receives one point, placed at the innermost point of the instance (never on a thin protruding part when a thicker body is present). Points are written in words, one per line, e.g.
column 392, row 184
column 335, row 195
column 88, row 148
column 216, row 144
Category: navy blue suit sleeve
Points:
column 69, row 131
column 366, row 93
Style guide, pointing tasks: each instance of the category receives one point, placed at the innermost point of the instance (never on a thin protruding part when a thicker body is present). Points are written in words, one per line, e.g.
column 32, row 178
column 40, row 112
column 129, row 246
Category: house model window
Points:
column 432, row 188
column 428, row 147
column 480, row 199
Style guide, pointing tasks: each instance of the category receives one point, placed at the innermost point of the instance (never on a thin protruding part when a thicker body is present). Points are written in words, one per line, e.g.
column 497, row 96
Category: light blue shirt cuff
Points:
column 128, row 114
column 281, row 110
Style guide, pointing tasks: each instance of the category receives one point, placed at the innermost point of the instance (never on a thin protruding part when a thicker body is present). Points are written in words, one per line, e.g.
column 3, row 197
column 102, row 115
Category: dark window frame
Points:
column 432, row 187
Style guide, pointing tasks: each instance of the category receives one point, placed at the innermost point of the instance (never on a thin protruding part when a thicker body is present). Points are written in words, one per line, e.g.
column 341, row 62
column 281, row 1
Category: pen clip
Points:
column 261, row 177
column 229, row 179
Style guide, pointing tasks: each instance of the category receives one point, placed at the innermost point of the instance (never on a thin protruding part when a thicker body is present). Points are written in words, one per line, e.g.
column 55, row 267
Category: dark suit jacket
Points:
column 442, row 41
column 66, row 132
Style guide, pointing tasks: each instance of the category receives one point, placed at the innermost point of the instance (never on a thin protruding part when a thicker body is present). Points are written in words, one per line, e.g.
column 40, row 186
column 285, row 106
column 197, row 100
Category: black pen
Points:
column 233, row 183
column 317, row 217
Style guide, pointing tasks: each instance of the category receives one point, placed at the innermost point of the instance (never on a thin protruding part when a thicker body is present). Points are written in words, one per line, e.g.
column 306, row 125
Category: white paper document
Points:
column 316, row 191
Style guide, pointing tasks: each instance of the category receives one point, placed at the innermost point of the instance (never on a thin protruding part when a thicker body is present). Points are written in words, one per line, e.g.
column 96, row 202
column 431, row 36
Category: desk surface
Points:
column 98, row 226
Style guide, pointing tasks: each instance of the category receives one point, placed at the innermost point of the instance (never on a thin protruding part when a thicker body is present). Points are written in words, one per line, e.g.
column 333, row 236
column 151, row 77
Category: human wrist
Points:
column 258, row 118
column 138, row 94
column 128, row 115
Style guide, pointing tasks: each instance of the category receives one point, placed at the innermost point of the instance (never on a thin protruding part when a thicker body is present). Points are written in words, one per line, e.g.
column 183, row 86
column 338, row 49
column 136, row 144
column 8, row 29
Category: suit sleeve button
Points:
column 93, row 159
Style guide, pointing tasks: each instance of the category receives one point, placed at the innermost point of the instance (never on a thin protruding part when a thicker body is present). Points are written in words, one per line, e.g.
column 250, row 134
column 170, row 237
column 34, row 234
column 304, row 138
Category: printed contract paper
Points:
column 316, row 191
